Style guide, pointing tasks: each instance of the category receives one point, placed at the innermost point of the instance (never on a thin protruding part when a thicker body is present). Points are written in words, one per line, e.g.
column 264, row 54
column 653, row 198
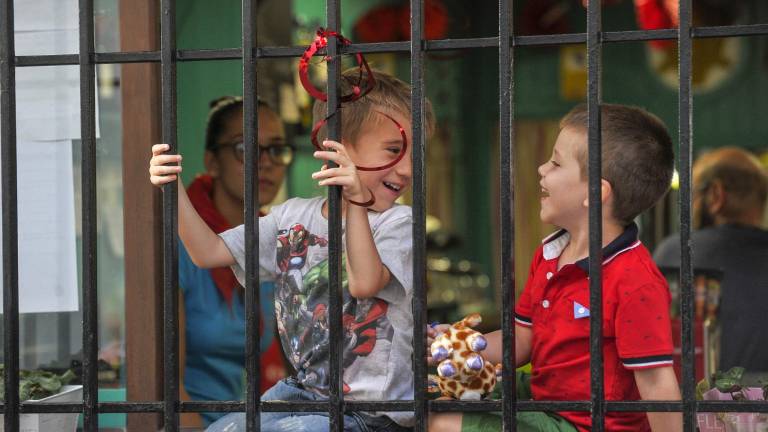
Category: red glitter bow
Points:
column 321, row 41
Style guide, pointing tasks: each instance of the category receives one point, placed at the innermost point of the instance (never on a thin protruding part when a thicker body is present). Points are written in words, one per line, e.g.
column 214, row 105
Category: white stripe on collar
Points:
column 557, row 241
column 632, row 246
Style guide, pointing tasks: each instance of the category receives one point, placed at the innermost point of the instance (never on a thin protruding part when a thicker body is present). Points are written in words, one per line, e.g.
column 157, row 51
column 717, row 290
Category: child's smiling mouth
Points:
column 393, row 187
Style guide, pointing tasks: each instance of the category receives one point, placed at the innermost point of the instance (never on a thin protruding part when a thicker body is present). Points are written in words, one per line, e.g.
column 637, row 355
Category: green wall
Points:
column 200, row 25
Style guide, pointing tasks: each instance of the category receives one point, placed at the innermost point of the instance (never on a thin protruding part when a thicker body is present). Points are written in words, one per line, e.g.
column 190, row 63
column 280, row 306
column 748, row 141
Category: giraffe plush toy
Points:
column 462, row 372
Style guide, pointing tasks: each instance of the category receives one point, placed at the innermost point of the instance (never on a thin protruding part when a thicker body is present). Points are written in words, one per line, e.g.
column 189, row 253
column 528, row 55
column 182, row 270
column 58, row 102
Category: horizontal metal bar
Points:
column 367, row 48
column 644, row 406
column 127, row 57
column 48, row 60
column 495, row 405
column 732, row 406
column 451, row 44
column 407, row 405
column 639, row 35
column 103, row 407
column 209, row 54
column 548, row 40
column 730, row 31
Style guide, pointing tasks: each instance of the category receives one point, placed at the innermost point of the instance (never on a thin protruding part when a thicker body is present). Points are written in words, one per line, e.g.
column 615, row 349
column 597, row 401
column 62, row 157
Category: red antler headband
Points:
column 399, row 157
column 321, row 41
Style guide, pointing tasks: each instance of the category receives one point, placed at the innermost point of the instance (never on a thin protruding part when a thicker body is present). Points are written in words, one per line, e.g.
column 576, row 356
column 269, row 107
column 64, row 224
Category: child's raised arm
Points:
column 366, row 274
column 205, row 248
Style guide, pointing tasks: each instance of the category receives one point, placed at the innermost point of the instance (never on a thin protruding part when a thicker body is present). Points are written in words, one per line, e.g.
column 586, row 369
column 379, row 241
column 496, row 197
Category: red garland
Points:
column 321, row 41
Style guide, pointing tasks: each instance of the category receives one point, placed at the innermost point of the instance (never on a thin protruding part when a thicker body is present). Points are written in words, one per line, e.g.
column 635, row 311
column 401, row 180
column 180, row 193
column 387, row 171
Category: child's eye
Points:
column 393, row 150
column 554, row 163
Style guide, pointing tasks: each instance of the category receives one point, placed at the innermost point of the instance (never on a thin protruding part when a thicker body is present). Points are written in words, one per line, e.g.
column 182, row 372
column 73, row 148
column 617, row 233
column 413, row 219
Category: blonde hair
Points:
column 388, row 94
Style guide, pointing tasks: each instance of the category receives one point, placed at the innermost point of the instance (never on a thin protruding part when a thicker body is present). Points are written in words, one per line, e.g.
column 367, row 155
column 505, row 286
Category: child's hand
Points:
column 159, row 172
column 433, row 331
column 345, row 175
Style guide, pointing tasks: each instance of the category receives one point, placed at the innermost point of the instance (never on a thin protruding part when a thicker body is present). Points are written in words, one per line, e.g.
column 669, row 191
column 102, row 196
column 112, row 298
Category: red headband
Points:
column 321, row 41
column 399, row 157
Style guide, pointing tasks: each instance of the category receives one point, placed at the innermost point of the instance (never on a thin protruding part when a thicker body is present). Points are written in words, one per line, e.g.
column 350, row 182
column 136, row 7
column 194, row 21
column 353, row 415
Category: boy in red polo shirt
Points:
column 552, row 314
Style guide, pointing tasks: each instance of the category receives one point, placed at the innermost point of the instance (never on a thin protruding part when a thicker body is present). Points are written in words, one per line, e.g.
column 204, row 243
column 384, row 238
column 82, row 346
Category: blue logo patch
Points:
column 580, row 311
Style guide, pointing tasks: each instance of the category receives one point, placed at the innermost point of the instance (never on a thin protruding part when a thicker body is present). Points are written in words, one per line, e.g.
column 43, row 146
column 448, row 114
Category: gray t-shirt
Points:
column 741, row 253
column 378, row 349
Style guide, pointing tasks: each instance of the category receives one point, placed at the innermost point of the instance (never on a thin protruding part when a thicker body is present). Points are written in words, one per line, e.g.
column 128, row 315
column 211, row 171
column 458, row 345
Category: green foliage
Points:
column 37, row 384
column 728, row 382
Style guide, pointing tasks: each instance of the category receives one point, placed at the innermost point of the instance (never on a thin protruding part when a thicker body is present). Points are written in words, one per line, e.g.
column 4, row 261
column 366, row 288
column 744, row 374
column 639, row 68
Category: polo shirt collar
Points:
column 556, row 242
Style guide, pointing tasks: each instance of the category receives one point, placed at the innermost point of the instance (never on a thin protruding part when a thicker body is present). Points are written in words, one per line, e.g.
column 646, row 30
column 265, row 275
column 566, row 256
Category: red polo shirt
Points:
column 636, row 325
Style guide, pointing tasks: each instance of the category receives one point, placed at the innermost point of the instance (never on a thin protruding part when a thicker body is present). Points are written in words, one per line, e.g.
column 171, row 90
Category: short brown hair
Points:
column 637, row 156
column 741, row 174
column 388, row 92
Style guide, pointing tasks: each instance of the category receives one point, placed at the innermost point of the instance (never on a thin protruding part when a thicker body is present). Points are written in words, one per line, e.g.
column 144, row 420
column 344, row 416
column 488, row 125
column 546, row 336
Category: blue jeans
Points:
column 289, row 390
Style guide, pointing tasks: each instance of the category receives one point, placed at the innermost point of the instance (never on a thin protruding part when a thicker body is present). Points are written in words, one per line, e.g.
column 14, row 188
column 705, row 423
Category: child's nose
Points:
column 542, row 169
column 404, row 168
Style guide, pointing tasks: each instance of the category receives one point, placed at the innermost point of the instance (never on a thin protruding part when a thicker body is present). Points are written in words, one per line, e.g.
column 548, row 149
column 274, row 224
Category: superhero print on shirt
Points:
column 301, row 306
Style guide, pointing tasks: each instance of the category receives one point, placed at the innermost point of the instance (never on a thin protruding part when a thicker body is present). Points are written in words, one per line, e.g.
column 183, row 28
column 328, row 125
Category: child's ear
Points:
column 606, row 193
column 211, row 164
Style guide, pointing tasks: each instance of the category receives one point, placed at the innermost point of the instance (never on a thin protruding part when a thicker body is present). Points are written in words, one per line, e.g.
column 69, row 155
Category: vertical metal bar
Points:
column 507, row 209
column 419, row 301
column 685, row 49
column 89, row 201
column 594, row 71
column 170, row 220
column 10, row 217
column 336, row 398
column 252, row 297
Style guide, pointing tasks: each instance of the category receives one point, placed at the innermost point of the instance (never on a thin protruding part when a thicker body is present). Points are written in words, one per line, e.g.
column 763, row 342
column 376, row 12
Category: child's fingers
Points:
column 335, row 145
column 162, row 170
column 160, row 148
column 338, row 158
column 164, row 159
column 336, row 181
column 328, row 172
column 161, row 180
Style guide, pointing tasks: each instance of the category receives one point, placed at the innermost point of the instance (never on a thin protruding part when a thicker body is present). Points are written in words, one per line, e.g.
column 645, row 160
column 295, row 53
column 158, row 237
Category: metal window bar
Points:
column 594, row 166
column 333, row 126
column 685, row 113
column 88, row 186
column 10, row 218
column 252, row 283
column 419, row 301
column 170, row 220
column 250, row 53
column 507, row 211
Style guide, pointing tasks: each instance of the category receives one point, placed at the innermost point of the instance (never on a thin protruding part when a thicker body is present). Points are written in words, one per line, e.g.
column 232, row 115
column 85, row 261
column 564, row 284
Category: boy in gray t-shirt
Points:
column 374, row 169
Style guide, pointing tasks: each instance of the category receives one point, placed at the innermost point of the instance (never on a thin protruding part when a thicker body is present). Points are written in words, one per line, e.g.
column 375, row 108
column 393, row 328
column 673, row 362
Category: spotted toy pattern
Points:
column 462, row 372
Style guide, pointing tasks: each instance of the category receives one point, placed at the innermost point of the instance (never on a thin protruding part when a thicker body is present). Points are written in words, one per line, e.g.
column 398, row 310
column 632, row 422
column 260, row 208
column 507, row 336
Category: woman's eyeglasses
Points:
column 279, row 154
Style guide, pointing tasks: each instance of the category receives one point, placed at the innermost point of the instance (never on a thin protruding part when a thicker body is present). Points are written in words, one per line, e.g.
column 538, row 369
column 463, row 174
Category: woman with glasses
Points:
column 212, row 344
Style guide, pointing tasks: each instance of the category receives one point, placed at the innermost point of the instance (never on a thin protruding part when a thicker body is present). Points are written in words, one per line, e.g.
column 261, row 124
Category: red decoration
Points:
column 435, row 20
column 380, row 24
column 391, row 23
column 655, row 15
column 321, row 41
